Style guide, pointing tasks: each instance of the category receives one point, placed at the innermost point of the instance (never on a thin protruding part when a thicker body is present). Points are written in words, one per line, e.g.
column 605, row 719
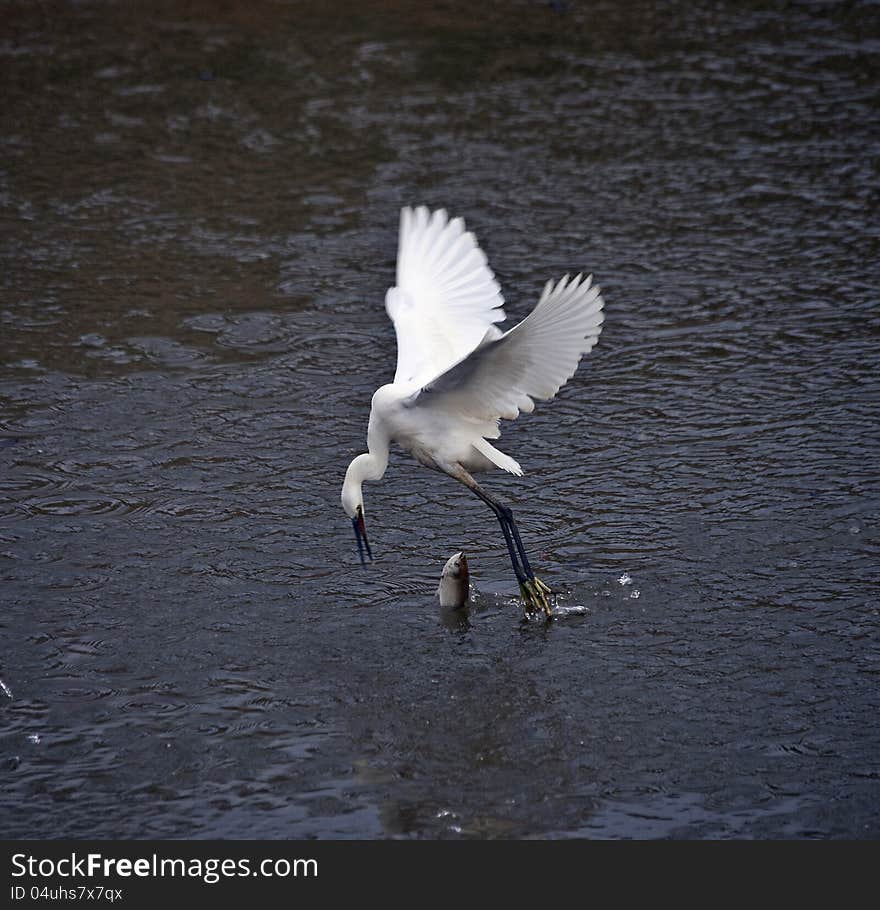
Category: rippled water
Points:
column 198, row 226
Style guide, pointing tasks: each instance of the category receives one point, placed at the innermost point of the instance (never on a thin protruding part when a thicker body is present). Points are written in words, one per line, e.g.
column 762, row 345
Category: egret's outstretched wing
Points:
column 533, row 360
column 446, row 298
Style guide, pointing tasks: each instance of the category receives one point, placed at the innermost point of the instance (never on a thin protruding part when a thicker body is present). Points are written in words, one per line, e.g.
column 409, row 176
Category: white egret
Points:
column 458, row 374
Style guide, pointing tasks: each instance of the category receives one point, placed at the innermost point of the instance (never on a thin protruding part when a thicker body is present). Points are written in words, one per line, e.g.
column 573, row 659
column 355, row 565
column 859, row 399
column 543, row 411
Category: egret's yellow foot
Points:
column 542, row 587
column 526, row 590
column 536, row 596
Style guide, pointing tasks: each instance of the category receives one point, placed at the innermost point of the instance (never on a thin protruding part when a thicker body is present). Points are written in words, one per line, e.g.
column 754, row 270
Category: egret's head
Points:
column 353, row 503
column 352, row 496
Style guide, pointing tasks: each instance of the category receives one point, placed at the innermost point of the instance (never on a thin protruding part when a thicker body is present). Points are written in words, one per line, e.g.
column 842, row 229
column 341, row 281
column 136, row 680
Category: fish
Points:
column 455, row 582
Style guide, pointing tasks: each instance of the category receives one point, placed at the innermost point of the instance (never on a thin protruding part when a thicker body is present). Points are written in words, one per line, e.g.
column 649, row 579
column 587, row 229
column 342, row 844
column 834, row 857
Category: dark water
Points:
column 198, row 215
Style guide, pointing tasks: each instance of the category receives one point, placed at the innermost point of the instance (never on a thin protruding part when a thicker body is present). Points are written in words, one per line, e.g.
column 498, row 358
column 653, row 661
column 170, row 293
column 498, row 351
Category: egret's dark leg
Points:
column 499, row 510
column 519, row 544
column 534, row 591
column 543, row 589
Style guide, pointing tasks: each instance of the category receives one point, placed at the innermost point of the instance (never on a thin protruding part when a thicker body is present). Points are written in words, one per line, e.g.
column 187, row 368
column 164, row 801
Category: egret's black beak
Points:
column 360, row 532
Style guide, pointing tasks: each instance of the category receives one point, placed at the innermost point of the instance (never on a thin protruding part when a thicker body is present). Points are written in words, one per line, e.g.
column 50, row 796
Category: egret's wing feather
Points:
column 446, row 298
column 533, row 360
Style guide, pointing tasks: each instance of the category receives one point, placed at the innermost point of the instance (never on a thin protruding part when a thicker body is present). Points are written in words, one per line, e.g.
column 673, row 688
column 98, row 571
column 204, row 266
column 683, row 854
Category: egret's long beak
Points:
column 360, row 532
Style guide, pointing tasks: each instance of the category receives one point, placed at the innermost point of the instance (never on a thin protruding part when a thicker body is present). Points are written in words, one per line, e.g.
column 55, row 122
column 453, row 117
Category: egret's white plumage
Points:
column 457, row 373
column 446, row 296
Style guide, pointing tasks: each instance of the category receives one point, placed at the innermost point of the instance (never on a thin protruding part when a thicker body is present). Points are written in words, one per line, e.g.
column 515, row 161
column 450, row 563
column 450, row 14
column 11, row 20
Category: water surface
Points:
column 198, row 215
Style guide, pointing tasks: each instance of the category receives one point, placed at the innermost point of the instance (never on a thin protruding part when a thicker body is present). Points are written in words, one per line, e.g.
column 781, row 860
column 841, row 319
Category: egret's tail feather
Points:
column 505, row 462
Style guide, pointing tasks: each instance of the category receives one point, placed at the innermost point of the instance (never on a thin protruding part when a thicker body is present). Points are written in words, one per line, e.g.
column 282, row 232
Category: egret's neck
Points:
column 369, row 466
column 377, row 458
